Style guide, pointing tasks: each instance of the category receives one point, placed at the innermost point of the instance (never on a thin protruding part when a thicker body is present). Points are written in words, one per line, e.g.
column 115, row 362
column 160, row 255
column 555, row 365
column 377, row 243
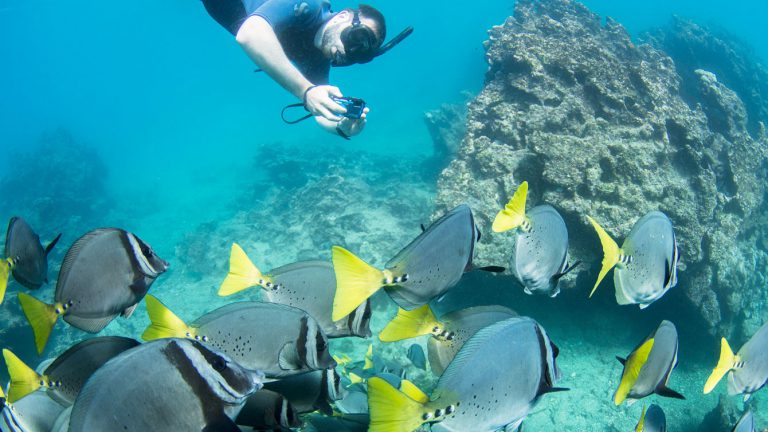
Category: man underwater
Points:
column 297, row 41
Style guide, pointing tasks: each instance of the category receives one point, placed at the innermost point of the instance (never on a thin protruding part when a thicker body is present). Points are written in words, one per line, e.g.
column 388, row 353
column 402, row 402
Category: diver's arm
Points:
column 258, row 40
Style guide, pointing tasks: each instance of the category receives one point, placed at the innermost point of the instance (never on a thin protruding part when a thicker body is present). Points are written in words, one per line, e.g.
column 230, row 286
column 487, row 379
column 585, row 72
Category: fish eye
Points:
column 219, row 364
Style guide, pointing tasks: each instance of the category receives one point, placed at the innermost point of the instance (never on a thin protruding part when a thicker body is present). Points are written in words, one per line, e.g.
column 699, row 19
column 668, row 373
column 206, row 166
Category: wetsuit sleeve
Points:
column 281, row 14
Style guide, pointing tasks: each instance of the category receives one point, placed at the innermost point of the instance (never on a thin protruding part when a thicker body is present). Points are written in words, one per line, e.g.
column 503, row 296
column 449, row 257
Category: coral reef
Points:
column 600, row 126
column 446, row 126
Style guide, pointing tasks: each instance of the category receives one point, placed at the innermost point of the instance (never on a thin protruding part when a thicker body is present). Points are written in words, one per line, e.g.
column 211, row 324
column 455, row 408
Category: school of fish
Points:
column 267, row 365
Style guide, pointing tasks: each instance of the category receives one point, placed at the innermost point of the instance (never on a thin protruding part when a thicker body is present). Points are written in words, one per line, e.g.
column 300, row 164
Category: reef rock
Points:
column 599, row 126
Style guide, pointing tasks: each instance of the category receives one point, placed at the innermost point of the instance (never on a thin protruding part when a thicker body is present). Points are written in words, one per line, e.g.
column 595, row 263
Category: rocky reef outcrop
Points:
column 601, row 126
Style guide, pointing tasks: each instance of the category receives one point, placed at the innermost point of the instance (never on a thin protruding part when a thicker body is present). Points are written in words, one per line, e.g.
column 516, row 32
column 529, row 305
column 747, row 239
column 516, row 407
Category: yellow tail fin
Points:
column 413, row 392
column 409, row 324
column 242, row 273
column 724, row 365
column 513, row 214
column 632, row 367
column 356, row 281
column 24, row 380
column 641, row 424
column 6, row 266
column 368, row 358
column 165, row 324
column 355, row 378
column 611, row 252
column 42, row 317
column 391, row 410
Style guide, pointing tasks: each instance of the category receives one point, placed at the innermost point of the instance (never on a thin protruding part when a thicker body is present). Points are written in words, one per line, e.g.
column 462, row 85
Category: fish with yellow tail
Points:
column 422, row 271
column 25, row 258
column 540, row 257
column 646, row 263
column 747, row 370
column 36, row 412
column 63, row 378
column 104, row 274
column 652, row 420
column 648, row 367
column 449, row 332
column 492, row 383
column 293, row 344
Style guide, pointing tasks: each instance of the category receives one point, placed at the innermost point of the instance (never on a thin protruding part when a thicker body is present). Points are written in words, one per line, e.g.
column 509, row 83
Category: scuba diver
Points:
column 297, row 41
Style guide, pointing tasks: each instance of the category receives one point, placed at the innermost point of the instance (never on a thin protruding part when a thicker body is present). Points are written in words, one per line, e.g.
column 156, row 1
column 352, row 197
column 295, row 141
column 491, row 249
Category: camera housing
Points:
column 354, row 106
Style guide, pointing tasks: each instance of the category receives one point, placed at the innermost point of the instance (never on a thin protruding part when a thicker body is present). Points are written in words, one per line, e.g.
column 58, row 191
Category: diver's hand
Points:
column 352, row 127
column 318, row 102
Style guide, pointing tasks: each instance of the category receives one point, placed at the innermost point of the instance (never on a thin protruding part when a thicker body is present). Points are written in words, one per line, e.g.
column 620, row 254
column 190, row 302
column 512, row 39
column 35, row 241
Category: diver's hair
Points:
column 372, row 13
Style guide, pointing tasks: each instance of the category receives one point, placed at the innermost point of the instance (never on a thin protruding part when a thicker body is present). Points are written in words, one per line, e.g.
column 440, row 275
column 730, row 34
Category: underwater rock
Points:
column 695, row 47
column 599, row 126
column 447, row 126
column 722, row 417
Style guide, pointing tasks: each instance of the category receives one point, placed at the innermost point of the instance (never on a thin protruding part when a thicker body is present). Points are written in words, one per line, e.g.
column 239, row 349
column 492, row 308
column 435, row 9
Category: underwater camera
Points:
column 354, row 106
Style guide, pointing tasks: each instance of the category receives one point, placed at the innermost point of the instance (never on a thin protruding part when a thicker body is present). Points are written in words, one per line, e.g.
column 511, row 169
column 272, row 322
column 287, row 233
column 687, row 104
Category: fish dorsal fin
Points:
column 611, row 253
column 726, row 362
column 632, row 367
column 641, row 424
column 413, row 392
column 356, row 281
column 243, row 274
column 24, row 380
column 410, row 324
column 52, row 244
column 665, row 391
column 513, row 214
column 392, row 410
column 164, row 323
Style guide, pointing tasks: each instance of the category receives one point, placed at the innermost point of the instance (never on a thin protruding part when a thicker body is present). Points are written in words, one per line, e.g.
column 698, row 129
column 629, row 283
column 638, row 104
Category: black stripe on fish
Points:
column 546, row 381
column 200, row 387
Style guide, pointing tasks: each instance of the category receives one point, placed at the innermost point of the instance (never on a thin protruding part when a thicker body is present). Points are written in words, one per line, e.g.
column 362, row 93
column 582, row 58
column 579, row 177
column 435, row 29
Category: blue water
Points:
column 176, row 113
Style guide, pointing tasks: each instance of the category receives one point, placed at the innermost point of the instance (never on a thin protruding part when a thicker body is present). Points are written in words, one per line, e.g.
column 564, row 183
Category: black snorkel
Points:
column 360, row 46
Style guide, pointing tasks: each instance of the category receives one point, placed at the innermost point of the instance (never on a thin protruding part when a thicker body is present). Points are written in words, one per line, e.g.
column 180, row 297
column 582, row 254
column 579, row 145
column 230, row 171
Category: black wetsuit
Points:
column 295, row 23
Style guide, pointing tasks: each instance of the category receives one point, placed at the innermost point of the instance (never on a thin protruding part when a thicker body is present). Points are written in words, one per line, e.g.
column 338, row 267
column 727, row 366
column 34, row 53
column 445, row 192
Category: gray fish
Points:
column 268, row 410
column 648, row 367
column 355, row 401
column 63, row 378
column 105, row 273
column 34, row 413
column 518, row 367
column 541, row 251
column 165, row 385
column 417, row 357
column 748, row 368
column 652, row 420
column 310, row 391
column 29, row 258
column 275, row 339
column 746, row 423
column 422, row 271
column 62, row 422
column 310, row 285
column 449, row 333
column 646, row 264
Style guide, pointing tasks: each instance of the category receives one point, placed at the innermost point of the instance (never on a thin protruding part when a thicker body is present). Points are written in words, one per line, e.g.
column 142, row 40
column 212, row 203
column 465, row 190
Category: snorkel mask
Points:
column 361, row 44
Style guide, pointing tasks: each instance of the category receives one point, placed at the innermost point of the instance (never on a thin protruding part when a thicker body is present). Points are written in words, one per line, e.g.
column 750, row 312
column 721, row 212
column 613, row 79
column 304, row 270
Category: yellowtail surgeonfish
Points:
column 449, row 333
column 267, row 410
column 164, row 385
column 307, row 285
column 648, row 367
column 492, row 383
column 105, row 273
column 422, row 271
column 652, row 420
column 275, row 339
column 37, row 412
column 748, row 368
column 540, row 258
column 25, row 258
column 63, row 378
column 646, row 264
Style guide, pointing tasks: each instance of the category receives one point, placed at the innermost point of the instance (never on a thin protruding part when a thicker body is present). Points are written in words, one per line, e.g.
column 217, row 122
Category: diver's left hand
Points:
column 353, row 127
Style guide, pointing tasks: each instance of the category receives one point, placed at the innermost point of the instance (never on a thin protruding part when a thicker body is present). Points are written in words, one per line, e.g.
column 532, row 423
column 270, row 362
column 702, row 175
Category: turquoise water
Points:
column 189, row 139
